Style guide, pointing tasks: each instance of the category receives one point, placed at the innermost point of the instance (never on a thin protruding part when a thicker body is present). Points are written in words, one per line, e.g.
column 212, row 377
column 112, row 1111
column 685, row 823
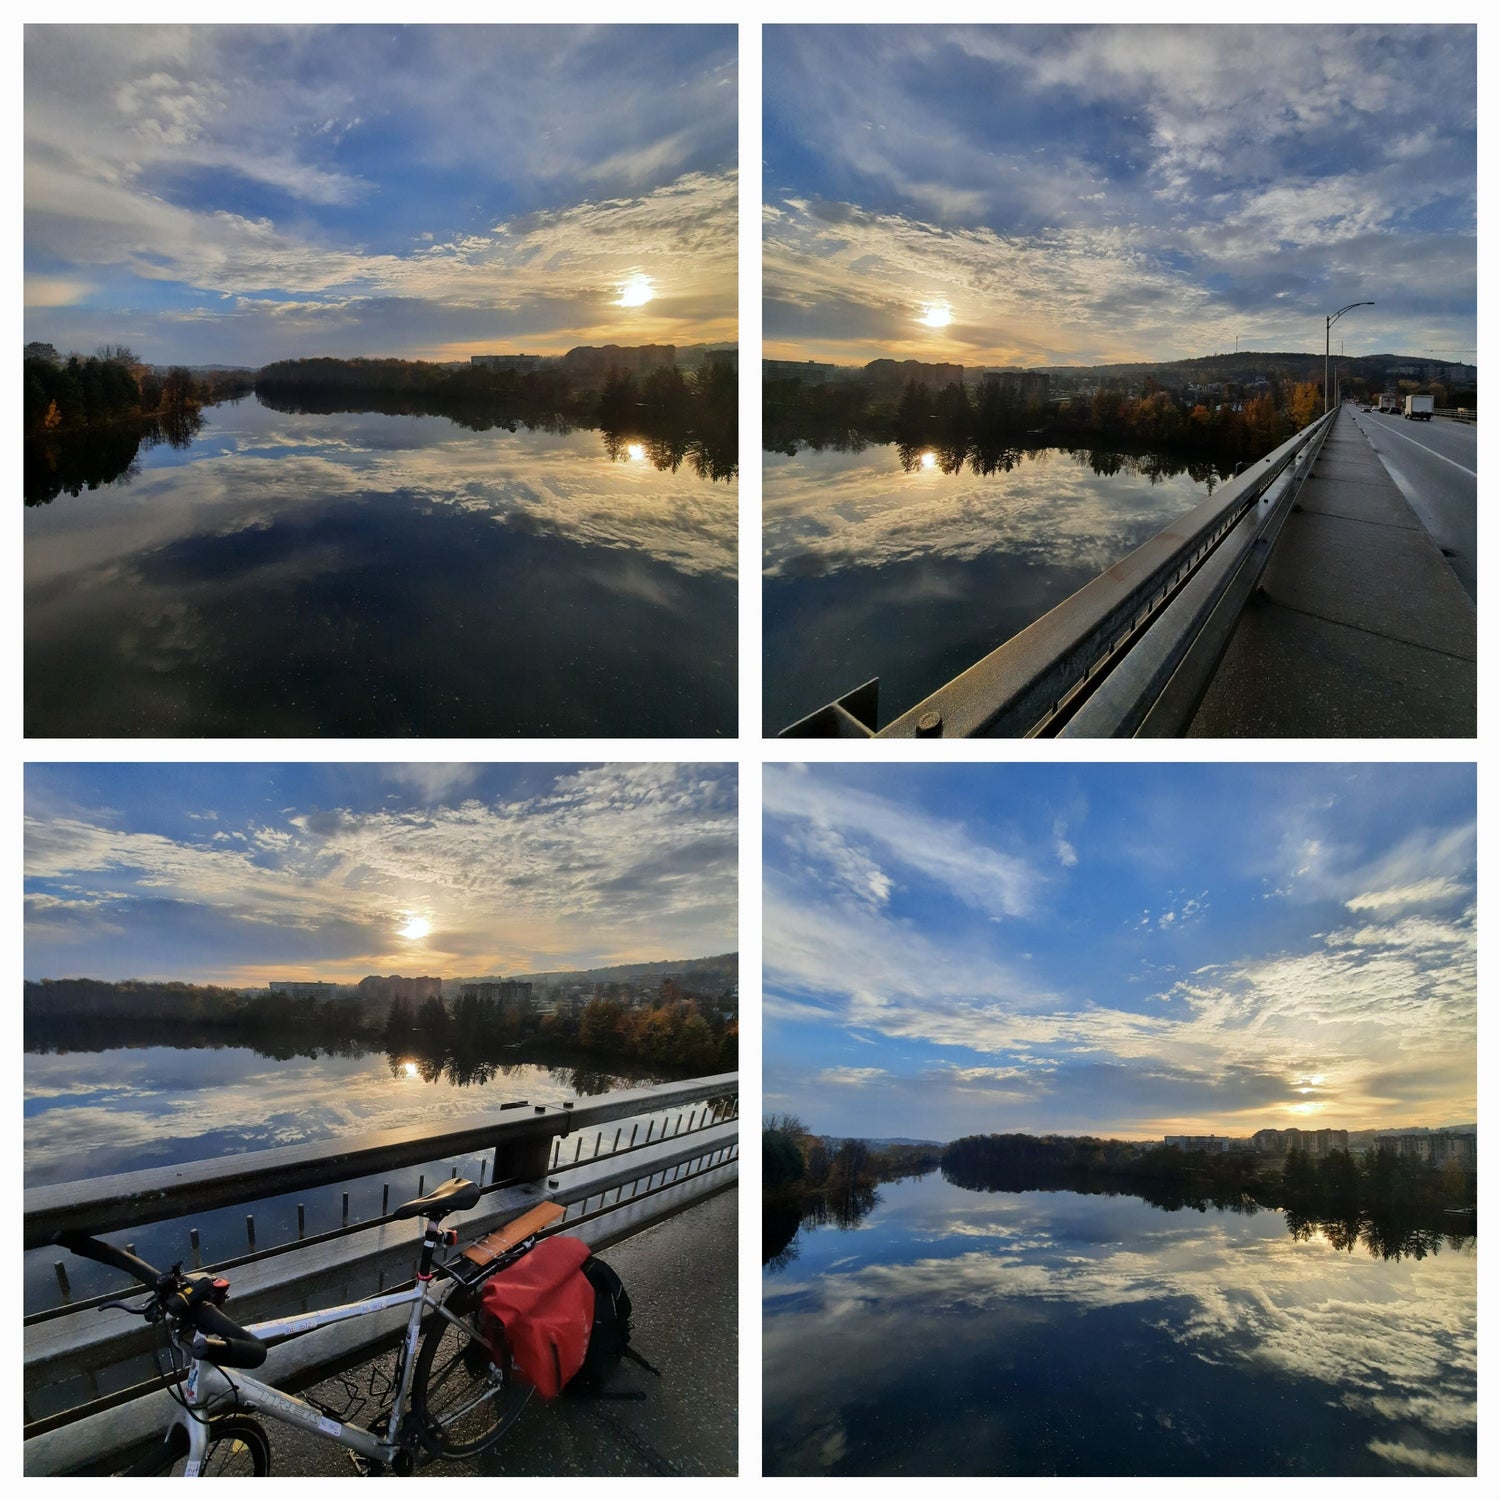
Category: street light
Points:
column 1327, row 329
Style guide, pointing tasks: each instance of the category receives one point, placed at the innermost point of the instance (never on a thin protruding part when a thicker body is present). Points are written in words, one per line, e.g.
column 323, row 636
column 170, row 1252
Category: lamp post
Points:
column 1327, row 330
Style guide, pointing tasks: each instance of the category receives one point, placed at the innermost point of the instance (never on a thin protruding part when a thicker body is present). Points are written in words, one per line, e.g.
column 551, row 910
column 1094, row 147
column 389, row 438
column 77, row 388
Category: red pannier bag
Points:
column 547, row 1306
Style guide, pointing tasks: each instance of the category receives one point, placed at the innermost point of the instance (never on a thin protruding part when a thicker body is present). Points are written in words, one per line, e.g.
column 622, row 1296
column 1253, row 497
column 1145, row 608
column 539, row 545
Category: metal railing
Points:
column 1129, row 653
column 618, row 1163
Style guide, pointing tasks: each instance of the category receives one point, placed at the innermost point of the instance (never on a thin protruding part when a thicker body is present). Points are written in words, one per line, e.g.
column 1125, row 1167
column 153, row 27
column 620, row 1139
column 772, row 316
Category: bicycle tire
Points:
column 238, row 1448
column 463, row 1400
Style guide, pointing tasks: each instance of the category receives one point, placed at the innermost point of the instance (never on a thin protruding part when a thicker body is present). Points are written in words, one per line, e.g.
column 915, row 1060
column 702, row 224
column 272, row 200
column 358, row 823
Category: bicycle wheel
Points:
column 463, row 1396
column 237, row 1449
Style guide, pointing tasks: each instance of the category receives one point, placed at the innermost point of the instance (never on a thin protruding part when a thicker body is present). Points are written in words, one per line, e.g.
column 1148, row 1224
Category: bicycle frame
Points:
column 207, row 1382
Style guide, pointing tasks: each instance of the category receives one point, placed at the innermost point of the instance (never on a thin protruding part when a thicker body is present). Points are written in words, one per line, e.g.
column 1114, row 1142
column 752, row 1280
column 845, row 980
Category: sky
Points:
column 240, row 874
column 1131, row 951
column 237, row 195
column 1086, row 194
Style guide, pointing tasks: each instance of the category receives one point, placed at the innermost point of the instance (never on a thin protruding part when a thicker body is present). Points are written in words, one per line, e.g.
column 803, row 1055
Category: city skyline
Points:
column 1092, row 194
column 1115, row 950
column 238, row 195
column 243, row 874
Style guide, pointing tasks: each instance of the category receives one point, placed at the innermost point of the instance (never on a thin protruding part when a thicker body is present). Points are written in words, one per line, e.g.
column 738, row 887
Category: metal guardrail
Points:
column 1125, row 654
column 639, row 1156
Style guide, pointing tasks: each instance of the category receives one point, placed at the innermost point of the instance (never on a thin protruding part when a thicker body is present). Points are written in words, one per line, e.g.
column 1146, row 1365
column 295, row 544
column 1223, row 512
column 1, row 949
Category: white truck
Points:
column 1418, row 409
column 1389, row 402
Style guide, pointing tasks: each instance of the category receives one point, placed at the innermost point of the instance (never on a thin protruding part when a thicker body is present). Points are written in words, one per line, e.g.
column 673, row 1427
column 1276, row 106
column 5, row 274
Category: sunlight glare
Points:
column 929, row 460
column 415, row 927
column 410, row 1069
column 636, row 291
column 936, row 315
column 636, row 451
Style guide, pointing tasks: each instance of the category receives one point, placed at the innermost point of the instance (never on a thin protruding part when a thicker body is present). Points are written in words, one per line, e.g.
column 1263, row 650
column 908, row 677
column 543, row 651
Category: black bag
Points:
column 609, row 1340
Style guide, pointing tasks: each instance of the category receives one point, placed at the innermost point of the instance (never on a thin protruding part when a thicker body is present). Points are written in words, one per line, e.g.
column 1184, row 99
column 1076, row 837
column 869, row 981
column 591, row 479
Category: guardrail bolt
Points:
column 930, row 723
column 302, row 1219
column 62, row 1280
column 385, row 1199
column 346, row 1210
column 197, row 1254
column 250, row 1229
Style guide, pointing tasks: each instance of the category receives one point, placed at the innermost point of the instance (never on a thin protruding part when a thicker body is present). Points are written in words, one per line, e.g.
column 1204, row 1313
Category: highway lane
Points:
column 1435, row 466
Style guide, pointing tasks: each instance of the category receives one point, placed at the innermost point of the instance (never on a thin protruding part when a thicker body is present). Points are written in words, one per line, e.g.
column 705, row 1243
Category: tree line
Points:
column 1394, row 1207
column 680, row 1035
column 982, row 427
column 72, row 394
column 94, row 1014
column 672, row 417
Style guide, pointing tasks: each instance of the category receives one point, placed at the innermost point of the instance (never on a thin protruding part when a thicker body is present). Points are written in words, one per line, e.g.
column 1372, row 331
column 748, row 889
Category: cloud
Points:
column 637, row 859
column 1094, row 193
column 296, row 172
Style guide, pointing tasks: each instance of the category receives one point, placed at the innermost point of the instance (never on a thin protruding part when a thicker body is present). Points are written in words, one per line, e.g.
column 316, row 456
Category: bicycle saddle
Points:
column 456, row 1193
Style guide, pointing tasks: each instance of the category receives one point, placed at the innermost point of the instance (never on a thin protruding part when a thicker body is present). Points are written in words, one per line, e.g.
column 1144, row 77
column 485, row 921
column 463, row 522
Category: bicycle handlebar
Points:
column 223, row 1341
column 218, row 1337
column 122, row 1260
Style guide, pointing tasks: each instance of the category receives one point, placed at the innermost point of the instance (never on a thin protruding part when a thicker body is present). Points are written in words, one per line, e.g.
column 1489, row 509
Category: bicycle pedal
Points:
column 365, row 1468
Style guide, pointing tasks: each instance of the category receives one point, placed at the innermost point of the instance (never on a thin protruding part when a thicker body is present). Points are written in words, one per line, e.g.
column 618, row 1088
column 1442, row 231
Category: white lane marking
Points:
column 1426, row 449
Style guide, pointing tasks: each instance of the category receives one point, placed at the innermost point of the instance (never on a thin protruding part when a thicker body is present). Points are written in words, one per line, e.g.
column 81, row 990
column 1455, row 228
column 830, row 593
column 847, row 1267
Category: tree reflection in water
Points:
column 94, row 457
column 1389, row 1234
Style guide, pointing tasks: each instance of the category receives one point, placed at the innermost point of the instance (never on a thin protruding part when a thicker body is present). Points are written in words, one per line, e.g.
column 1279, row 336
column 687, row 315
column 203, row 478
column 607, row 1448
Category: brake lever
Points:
column 141, row 1311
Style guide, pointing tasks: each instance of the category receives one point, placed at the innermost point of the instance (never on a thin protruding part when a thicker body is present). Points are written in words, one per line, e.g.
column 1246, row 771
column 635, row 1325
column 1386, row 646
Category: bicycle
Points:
column 454, row 1392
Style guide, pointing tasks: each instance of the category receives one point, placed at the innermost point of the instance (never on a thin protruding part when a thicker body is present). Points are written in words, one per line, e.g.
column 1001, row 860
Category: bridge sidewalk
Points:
column 1361, row 627
column 682, row 1276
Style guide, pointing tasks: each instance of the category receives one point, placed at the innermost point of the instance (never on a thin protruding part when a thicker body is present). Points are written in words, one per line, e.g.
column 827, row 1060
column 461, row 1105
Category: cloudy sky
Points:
column 1129, row 950
column 237, row 195
column 1092, row 194
column 242, row 874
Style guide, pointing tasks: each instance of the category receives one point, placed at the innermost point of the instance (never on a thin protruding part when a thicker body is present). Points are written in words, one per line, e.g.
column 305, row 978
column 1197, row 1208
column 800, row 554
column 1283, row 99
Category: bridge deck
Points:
column 682, row 1277
column 1362, row 628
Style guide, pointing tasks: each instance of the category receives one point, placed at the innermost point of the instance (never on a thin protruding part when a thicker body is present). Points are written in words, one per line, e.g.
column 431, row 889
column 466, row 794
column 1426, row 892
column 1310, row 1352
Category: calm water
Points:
column 368, row 575
column 956, row 1332
column 88, row 1114
column 872, row 571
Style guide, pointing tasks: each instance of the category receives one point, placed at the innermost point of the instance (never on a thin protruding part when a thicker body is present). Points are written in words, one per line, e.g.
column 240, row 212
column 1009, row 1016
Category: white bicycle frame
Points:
column 206, row 1382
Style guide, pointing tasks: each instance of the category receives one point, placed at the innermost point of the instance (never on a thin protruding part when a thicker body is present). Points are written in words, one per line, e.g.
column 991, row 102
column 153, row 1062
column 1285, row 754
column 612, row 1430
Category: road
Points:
column 1435, row 466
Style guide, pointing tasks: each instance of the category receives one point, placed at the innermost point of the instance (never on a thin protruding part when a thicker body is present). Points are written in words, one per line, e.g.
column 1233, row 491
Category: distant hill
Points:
column 665, row 968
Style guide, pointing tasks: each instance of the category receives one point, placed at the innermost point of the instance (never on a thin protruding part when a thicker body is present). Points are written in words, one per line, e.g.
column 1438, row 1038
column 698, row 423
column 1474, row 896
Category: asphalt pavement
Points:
column 1435, row 465
column 1361, row 626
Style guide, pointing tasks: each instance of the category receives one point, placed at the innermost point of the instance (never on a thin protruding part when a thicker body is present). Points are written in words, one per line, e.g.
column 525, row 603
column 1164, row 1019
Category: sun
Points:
column 635, row 451
column 636, row 291
column 936, row 315
column 415, row 928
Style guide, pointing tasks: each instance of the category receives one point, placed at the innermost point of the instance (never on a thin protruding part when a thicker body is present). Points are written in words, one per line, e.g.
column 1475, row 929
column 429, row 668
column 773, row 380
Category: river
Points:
column 1039, row 1333
column 911, row 574
column 360, row 574
column 88, row 1114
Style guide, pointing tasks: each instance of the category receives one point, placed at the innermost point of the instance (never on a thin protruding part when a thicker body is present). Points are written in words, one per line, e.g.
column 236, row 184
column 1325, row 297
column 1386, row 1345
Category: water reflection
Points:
column 383, row 575
column 108, row 455
column 879, row 563
column 1038, row 1333
column 123, row 1109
